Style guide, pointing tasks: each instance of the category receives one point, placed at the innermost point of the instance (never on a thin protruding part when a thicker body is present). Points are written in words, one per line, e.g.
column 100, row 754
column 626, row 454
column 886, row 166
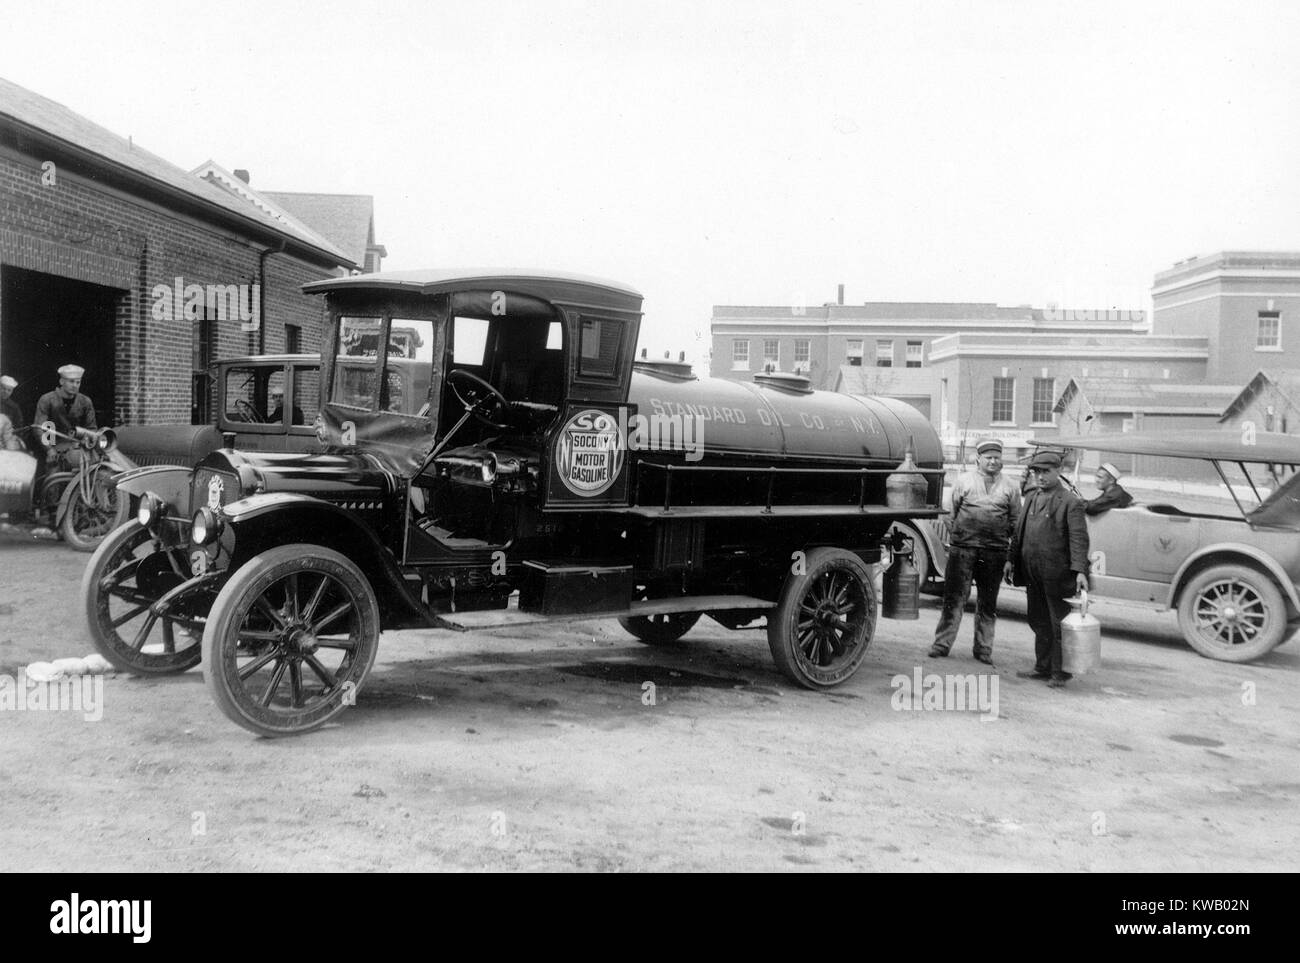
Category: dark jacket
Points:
column 10, row 407
column 80, row 415
column 1113, row 497
column 1051, row 541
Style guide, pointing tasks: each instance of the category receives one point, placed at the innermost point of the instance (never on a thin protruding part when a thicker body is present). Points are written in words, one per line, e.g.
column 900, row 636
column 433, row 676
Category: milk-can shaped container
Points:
column 1080, row 638
column 906, row 487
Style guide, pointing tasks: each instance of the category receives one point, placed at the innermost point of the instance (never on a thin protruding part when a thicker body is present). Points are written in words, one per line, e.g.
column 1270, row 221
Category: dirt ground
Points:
column 534, row 748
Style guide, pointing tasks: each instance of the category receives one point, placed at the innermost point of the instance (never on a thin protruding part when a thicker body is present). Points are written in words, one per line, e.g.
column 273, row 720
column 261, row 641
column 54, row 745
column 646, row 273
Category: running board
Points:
column 511, row 617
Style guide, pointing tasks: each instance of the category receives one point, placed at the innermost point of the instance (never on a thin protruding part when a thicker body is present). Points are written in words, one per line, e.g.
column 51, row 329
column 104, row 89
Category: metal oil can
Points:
column 1080, row 638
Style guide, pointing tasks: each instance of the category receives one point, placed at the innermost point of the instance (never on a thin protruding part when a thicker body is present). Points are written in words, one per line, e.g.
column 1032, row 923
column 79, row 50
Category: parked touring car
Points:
column 1233, row 576
column 488, row 437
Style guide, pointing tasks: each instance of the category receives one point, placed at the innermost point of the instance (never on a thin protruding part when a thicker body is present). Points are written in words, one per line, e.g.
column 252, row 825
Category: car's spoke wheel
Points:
column 290, row 640
column 125, row 576
column 825, row 619
column 1232, row 612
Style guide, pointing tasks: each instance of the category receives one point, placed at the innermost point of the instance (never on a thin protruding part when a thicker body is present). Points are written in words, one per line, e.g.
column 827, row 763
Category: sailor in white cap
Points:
column 1112, row 494
column 66, row 407
column 8, row 406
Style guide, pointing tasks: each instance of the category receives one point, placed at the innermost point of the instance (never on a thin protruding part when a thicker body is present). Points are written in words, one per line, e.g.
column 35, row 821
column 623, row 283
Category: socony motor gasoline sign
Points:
column 589, row 453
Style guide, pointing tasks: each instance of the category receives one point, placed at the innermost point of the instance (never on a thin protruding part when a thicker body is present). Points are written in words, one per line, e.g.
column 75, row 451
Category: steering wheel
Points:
column 248, row 411
column 483, row 401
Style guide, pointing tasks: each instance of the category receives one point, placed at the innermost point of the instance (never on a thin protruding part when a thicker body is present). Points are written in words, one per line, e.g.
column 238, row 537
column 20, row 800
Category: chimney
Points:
column 242, row 175
column 841, row 300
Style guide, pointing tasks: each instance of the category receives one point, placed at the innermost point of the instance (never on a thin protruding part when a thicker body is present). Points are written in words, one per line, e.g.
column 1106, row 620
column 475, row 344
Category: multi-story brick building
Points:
column 142, row 272
column 1246, row 304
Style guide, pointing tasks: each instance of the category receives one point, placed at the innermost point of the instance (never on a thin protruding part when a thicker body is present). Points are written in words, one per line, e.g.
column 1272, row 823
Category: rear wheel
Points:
column 124, row 577
column 290, row 640
column 661, row 629
column 1232, row 613
column 825, row 619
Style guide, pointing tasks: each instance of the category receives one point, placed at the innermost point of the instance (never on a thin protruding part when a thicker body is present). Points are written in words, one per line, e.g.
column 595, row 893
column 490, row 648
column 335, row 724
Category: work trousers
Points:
column 983, row 566
column 1046, row 608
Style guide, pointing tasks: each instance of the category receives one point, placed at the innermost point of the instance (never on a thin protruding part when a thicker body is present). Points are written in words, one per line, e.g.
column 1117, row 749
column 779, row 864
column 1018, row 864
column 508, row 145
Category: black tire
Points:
column 125, row 575
column 85, row 526
column 825, row 620
column 661, row 629
column 260, row 630
column 1233, row 613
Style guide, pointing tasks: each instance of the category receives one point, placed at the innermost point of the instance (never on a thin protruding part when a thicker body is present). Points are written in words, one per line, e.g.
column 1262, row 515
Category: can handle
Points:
column 1083, row 606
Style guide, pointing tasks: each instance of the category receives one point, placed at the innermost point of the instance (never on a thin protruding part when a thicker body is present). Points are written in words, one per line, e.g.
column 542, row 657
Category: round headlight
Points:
column 152, row 508
column 205, row 528
column 489, row 468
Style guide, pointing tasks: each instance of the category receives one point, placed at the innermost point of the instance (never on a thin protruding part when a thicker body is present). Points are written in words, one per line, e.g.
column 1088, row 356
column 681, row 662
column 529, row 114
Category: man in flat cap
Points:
column 8, row 407
column 985, row 506
column 1049, row 557
column 1113, row 494
column 65, row 407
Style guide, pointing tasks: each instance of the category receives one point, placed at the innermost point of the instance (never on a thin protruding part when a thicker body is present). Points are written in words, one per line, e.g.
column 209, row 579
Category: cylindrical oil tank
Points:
column 778, row 418
column 775, row 421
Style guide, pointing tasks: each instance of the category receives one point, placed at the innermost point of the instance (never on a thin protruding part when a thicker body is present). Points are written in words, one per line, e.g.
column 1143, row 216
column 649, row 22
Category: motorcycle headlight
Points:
column 206, row 527
column 151, row 510
column 489, row 468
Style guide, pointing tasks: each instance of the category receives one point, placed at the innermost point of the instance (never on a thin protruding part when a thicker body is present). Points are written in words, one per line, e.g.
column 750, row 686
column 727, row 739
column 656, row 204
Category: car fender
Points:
column 171, row 483
column 284, row 518
column 1264, row 560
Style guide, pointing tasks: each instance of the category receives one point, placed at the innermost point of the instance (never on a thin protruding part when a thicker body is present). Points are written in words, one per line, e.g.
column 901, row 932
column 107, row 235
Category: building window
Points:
column 1270, row 330
column 1004, row 400
column 739, row 355
column 855, row 352
column 1044, row 400
column 772, row 354
column 801, row 351
column 915, row 350
column 293, row 339
column 884, row 354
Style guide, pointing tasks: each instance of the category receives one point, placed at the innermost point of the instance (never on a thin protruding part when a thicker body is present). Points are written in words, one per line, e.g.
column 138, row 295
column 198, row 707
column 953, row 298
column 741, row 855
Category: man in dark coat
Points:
column 1049, row 557
column 66, row 407
column 1112, row 494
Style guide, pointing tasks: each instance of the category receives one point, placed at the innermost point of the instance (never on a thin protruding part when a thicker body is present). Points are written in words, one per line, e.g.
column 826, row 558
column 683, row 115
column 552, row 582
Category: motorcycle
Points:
column 77, row 497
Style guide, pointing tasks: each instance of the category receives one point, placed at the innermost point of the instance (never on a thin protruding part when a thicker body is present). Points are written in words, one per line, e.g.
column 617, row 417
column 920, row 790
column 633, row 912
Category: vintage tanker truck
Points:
column 541, row 467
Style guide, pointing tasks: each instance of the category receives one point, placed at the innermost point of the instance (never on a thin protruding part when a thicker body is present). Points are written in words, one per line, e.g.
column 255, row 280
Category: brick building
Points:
column 142, row 272
column 1247, row 304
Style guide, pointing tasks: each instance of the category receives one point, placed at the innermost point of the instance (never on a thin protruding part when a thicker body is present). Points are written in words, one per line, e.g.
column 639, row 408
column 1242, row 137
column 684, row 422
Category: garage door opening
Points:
column 47, row 321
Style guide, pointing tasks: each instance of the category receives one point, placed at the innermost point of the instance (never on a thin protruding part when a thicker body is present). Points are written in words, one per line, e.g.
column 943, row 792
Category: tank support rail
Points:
column 771, row 473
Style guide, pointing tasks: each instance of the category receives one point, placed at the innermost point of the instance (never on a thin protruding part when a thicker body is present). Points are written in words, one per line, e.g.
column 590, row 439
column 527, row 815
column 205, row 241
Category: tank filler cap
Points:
column 784, row 381
column 678, row 370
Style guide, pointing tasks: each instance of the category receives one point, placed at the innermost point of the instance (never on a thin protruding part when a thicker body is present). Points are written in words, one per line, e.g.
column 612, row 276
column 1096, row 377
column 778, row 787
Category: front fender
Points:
column 171, row 483
column 261, row 522
column 1234, row 548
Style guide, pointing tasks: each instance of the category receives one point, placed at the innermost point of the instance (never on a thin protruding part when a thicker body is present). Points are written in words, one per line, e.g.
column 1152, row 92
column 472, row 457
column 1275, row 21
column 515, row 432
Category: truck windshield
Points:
column 396, row 382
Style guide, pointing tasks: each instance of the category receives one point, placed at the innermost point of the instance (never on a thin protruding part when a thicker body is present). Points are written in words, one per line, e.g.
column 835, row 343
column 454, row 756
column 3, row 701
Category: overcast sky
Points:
column 729, row 153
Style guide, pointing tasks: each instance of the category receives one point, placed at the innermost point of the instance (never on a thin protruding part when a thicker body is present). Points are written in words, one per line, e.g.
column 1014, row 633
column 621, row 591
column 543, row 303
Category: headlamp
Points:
column 151, row 510
column 206, row 527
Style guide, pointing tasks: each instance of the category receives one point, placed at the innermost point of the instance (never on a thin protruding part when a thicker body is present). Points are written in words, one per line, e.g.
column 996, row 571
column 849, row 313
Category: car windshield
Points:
column 1281, row 510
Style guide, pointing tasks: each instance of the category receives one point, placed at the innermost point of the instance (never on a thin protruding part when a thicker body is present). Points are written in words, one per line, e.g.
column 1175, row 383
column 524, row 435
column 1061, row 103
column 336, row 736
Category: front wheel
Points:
column 290, row 640
column 125, row 576
column 825, row 619
column 1232, row 613
column 86, row 524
